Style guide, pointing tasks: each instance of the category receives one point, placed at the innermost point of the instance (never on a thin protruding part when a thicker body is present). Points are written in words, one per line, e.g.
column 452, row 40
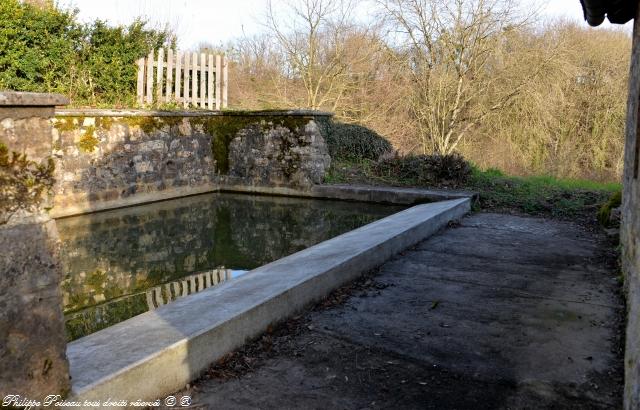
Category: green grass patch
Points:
column 541, row 195
column 534, row 195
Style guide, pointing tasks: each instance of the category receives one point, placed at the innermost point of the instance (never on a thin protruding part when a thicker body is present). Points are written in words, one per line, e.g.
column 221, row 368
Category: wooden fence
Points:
column 193, row 79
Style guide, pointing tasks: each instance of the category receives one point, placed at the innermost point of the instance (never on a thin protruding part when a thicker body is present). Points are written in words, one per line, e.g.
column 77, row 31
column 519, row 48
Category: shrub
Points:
column 107, row 62
column 23, row 182
column 355, row 142
column 37, row 47
column 438, row 169
column 47, row 50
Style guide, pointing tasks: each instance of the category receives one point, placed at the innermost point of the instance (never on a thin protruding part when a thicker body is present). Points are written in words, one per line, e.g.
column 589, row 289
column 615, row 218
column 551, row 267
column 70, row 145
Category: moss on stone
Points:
column 151, row 124
column 66, row 123
column 96, row 280
column 224, row 129
column 88, row 142
column 604, row 213
column 104, row 123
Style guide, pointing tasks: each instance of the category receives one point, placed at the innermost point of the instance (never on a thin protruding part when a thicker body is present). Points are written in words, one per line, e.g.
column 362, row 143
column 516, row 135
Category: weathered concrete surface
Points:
column 32, row 340
column 394, row 195
column 25, row 99
column 502, row 312
column 630, row 228
column 157, row 352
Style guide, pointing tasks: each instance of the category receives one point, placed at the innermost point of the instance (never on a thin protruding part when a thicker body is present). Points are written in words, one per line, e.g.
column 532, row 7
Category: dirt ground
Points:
column 495, row 312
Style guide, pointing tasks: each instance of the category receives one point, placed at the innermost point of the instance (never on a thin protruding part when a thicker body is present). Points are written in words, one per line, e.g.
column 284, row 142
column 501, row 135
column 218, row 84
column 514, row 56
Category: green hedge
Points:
column 48, row 50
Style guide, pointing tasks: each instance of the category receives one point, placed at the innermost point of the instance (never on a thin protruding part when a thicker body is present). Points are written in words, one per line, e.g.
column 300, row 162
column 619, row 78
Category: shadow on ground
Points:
column 498, row 312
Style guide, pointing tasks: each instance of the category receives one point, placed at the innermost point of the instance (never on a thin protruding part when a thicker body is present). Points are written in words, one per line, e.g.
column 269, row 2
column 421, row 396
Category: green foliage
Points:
column 37, row 47
column 354, row 142
column 432, row 169
column 47, row 50
column 604, row 213
column 23, row 182
column 108, row 60
column 535, row 195
column 540, row 195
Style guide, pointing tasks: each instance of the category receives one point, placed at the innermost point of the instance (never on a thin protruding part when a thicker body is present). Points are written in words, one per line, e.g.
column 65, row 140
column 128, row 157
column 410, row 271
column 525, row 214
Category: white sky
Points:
column 218, row 21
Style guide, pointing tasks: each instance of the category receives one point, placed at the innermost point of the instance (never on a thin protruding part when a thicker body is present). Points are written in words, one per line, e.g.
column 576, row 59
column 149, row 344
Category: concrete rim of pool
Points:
column 159, row 352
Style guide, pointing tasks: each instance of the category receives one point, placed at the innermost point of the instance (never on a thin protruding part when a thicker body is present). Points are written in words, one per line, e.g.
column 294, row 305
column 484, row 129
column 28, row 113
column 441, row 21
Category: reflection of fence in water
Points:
column 163, row 294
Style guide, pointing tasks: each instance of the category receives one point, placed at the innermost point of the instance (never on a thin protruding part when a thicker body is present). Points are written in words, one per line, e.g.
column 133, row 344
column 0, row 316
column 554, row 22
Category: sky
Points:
column 218, row 21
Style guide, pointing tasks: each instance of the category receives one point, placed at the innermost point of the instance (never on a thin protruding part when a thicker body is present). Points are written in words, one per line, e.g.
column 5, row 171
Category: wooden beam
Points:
column 159, row 75
column 210, row 83
column 140, row 83
column 169, row 87
column 150, row 78
column 218, row 81
column 203, row 80
column 185, row 95
column 225, row 81
column 178, row 76
column 194, row 79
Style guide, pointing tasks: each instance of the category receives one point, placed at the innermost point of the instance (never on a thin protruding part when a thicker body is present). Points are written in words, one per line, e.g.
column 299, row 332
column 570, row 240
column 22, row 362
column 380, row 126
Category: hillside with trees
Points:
column 483, row 78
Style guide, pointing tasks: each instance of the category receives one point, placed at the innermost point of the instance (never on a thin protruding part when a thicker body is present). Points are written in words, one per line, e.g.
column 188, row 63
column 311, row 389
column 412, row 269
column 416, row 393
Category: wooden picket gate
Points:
column 193, row 79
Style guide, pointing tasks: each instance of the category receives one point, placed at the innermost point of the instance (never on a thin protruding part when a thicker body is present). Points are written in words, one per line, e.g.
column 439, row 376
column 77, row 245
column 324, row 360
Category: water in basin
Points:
column 124, row 262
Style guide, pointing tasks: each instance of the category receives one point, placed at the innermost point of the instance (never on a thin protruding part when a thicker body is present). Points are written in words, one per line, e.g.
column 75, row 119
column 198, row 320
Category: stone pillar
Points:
column 33, row 362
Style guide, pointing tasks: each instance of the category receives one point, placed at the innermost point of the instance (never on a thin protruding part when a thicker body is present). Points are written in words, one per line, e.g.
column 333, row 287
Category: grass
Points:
column 534, row 195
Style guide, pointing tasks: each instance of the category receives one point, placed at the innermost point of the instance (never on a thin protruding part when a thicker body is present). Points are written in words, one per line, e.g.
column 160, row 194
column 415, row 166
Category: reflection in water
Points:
column 161, row 295
column 124, row 262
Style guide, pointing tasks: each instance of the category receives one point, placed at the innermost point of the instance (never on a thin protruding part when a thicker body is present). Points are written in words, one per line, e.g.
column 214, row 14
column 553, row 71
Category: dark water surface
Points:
column 124, row 262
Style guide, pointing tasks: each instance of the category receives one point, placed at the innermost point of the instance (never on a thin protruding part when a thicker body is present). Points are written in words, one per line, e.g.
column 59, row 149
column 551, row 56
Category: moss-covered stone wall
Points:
column 109, row 157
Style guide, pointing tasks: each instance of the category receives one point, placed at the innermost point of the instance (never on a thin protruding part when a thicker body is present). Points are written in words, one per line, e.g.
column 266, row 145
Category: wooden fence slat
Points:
column 218, row 81
column 203, row 79
column 178, row 76
column 210, row 84
column 169, row 87
column 159, row 75
column 225, row 81
column 194, row 79
column 140, row 85
column 185, row 95
column 150, row 78
column 193, row 83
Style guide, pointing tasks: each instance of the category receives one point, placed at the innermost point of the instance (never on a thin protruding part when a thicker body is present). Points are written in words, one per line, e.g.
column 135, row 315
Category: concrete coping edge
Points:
column 95, row 112
column 28, row 99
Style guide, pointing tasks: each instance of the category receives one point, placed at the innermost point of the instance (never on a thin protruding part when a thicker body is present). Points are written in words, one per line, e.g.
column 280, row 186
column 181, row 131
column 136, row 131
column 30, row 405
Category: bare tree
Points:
column 449, row 50
column 315, row 43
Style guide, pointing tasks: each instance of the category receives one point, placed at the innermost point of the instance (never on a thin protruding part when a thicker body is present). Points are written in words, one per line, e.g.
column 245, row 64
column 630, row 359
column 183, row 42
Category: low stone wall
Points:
column 107, row 158
column 33, row 363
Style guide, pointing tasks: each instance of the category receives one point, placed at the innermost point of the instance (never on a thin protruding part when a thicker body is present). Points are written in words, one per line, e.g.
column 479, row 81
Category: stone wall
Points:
column 630, row 232
column 108, row 159
column 113, row 158
column 32, row 338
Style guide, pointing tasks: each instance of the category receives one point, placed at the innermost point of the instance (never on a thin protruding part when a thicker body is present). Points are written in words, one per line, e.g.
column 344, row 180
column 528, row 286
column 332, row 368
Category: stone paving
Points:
column 497, row 312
